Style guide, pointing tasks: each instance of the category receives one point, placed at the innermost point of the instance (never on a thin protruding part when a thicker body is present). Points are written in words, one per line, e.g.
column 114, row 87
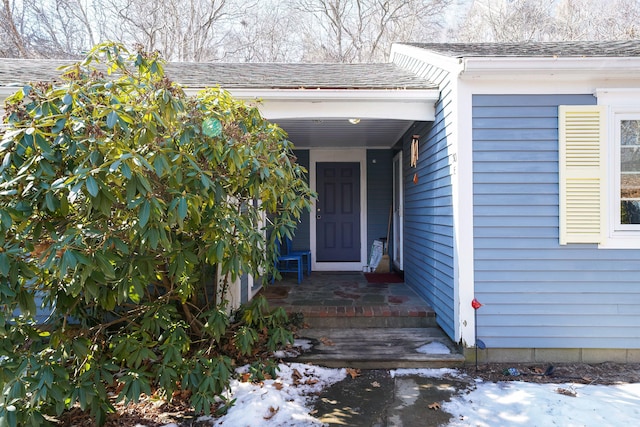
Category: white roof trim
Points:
column 400, row 104
column 334, row 94
column 498, row 67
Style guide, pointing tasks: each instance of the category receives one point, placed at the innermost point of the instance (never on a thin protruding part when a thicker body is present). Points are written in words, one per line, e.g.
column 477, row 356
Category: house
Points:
column 507, row 170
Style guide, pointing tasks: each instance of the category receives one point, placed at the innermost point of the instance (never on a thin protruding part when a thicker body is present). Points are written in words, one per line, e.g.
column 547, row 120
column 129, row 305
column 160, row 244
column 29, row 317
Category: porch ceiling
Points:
column 321, row 118
column 333, row 133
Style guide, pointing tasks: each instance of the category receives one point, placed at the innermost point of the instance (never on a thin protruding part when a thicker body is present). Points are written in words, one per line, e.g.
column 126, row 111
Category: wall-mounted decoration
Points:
column 414, row 150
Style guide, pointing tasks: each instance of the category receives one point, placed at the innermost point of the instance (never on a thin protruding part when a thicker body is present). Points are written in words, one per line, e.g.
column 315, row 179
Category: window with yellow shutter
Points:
column 599, row 166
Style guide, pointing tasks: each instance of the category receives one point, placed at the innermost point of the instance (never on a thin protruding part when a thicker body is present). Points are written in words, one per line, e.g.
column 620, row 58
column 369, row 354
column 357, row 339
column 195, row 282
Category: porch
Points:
column 354, row 323
column 346, row 299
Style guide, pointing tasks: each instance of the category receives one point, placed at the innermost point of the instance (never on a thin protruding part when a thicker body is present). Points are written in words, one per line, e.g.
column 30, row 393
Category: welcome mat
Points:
column 383, row 278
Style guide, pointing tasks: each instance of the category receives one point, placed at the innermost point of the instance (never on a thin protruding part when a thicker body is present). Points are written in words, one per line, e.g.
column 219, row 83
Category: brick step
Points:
column 379, row 348
column 367, row 317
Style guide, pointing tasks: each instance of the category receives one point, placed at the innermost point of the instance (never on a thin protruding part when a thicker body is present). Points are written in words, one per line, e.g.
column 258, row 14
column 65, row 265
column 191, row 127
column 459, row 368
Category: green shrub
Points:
column 126, row 210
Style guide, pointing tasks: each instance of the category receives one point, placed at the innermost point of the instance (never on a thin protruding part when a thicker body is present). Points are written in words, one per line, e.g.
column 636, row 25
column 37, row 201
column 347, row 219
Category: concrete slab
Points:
column 375, row 399
column 379, row 348
column 360, row 401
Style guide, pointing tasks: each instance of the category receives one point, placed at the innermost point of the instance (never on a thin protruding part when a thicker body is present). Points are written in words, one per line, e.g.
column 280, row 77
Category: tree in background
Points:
column 507, row 21
column 60, row 29
column 363, row 30
column 548, row 20
column 299, row 30
column 598, row 20
column 127, row 208
column 183, row 30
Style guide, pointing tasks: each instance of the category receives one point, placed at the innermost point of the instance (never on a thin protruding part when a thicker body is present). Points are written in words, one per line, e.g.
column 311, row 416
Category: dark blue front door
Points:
column 338, row 212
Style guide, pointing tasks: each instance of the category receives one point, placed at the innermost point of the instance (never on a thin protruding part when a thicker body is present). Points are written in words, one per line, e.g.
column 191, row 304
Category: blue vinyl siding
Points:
column 535, row 292
column 428, row 204
column 302, row 238
column 379, row 194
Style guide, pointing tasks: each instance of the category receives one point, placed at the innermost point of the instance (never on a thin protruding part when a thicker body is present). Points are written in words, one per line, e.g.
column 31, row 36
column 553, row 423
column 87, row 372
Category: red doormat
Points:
column 383, row 278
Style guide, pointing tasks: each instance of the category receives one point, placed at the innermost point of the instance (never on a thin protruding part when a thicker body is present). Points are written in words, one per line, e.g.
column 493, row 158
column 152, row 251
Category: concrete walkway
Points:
column 375, row 399
column 375, row 327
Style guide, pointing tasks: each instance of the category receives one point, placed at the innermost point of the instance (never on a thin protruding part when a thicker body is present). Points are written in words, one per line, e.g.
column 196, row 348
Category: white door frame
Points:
column 398, row 211
column 356, row 155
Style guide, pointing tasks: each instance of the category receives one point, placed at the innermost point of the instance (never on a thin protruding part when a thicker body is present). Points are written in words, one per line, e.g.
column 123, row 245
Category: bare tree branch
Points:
column 13, row 32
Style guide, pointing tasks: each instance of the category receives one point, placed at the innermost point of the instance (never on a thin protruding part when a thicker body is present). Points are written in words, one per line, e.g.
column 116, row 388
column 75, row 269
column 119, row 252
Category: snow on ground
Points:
column 299, row 346
column 434, row 347
column 518, row 403
column 284, row 401
column 425, row 372
column 287, row 401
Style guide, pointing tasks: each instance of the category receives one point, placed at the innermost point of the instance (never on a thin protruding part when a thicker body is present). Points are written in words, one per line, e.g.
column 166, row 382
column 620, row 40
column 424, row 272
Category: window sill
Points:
column 625, row 241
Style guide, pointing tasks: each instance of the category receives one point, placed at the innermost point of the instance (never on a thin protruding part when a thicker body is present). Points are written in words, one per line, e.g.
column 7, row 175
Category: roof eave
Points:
column 321, row 94
column 395, row 104
column 499, row 67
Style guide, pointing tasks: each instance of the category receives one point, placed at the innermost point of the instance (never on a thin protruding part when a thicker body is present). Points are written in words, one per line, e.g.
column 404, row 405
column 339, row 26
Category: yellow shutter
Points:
column 582, row 173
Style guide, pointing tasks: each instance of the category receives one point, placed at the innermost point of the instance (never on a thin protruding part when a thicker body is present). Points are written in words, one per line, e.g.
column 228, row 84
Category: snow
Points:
column 434, row 347
column 288, row 400
column 284, row 401
column 528, row 404
column 299, row 346
column 425, row 372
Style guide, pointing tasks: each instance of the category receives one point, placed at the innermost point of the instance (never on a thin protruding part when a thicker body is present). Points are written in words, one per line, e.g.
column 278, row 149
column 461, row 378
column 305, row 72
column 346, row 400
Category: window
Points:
column 628, row 171
column 599, row 168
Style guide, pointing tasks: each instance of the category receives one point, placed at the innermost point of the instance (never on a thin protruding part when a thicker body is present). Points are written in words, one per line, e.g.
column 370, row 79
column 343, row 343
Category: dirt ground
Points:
column 152, row 412
column 602, row 373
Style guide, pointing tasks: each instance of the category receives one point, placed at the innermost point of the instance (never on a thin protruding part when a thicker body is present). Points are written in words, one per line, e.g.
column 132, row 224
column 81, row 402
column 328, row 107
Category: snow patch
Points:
column 284, row 401
column 430, row 373
column 521, row 403
column 299, row 346
column 434, row 347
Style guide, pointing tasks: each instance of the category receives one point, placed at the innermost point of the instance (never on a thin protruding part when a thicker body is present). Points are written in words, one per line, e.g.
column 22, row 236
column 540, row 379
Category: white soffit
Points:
column 323, row 104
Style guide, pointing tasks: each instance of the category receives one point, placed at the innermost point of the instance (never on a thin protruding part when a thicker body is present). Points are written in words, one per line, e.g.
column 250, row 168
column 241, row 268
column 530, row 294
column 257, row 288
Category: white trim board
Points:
column 339, row 155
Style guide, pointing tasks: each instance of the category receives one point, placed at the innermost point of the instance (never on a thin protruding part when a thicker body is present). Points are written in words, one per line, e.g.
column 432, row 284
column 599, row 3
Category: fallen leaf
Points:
column 538, row 370
column 296, row 374
column 311, row 381
column 278, row 386
column 245, row 377
column 272, row 412
column 566, row 392
column 353, row 372
column 326, row 341
column 435, row 406
column 375, row 384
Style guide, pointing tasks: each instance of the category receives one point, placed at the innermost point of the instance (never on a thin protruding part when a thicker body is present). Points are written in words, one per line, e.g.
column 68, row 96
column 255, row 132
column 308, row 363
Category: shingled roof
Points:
column 246, row 75
column 626, row 48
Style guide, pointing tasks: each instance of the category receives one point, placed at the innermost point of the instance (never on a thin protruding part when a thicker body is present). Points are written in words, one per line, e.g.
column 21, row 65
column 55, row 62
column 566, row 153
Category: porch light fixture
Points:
column 354, row 121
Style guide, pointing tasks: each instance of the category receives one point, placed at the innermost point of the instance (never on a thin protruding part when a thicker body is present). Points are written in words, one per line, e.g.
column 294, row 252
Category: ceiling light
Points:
column 354, row 121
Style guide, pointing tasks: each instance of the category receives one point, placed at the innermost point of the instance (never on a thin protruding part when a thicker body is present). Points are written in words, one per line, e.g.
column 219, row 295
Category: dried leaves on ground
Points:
column 582, row 373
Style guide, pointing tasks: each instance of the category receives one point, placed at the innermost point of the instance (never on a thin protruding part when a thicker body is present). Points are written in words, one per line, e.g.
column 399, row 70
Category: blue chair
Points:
column 288, row 263
column 304, row 253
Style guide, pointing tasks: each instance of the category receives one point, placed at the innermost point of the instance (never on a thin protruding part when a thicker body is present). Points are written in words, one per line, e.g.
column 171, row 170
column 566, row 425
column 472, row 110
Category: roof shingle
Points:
column 246, row 75
column 625, row 48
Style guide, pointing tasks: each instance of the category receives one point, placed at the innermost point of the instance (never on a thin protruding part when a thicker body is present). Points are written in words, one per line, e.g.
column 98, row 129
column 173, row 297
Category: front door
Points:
column 338, row 212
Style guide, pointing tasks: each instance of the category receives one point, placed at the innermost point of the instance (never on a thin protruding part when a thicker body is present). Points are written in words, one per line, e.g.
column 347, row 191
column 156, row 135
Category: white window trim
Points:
column 622, row 104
